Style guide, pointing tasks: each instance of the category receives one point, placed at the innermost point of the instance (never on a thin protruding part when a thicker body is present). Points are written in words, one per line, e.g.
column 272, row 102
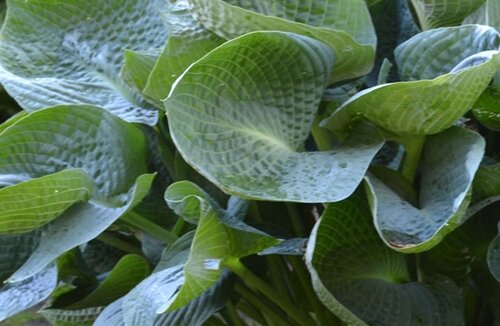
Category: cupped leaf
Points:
column 70, row 52
column 80, row 224
column 344, row 25
column 143, row 305
column 247, row 135
column 218, row 238
column 110, row 151
column 365, row 283
column 439, row 13
column 187, row 42
column 127, row 273
column 445, row 188
column 436, row 52
column 20, row 296
column 28, row 205
column 493, row 257
column 419, row 107
column 487, row 14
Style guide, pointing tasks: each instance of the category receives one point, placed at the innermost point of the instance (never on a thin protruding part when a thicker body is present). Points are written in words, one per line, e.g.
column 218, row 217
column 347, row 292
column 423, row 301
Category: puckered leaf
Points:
column 438, row 13
column 445, row 188
column 82, row 317
column 188, row 41
column 493, row 257
column 420, row 107
column 436, row 52
column 344, row 25
column 247, row 135
column 80, row 224
column 28, row 205
column 110, row 151
column 15, row 250
column 19, row 296
column 487, row 14
column 363, row 282
column 66, row 52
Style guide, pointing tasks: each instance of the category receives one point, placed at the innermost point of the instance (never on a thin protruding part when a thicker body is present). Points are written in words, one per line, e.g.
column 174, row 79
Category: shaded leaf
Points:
column 127, row 273
column 22, row 295
column 486, row 109
column 15, row 250
column 247, row 135
column 445, row 188
column 344, row 25
column 295, row 247
column 363, row 282
column 493, row 257
column 70, row 52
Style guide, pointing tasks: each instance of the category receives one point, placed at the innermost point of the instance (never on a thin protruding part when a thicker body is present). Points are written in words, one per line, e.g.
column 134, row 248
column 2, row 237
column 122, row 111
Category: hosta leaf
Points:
column 363, row 282
column 33, row 203
column 109, row 150
column 436, row 52
column 493, row 257
column 19, row 296
column 66, row 52
column 486, row 109
column 195, row 313
column 487, row 14
column 344, row 25
column 419, row 107
column 247, row 135
column 460, row 252
column 444, row 193
column 188, row 41
column 487, row 182
column 438, row 13
column 143, row 305
column 137, row 68
column 218, row 238
column 127, row 273
column 15, row 250
column 82, row 317
column 80, row 224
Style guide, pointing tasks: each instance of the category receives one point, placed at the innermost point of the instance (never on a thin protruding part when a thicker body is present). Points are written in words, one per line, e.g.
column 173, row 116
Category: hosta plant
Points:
column 223, row 162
